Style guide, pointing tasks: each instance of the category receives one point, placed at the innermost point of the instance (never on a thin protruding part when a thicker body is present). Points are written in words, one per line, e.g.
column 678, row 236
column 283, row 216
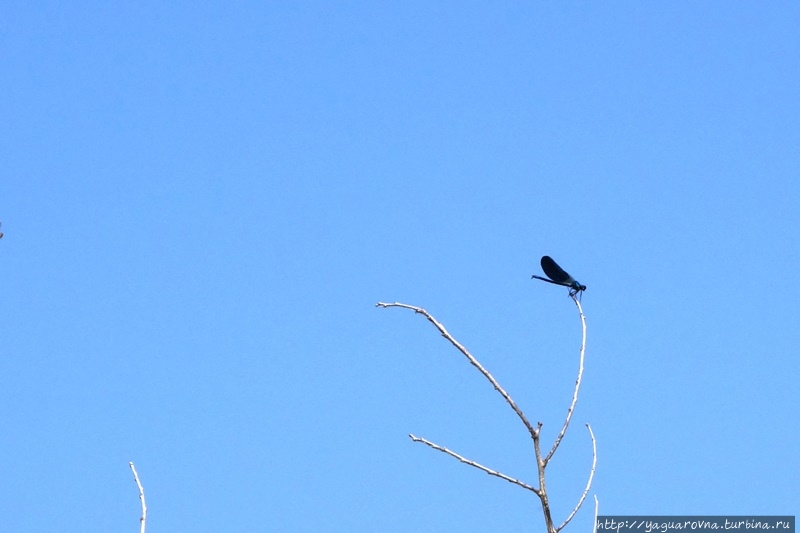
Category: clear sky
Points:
column 202, row 202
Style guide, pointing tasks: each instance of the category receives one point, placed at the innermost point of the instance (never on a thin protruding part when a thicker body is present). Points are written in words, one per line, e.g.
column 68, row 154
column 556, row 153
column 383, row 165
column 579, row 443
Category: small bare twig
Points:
column 474, row 362
column 143, row 519
column 476, row 465
column 577, row 385
column 588, row 484
column 596, row 509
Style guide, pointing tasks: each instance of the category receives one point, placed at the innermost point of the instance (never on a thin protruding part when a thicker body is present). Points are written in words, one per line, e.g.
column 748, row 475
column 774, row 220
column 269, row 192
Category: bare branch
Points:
column 545, row 500
column 541, row 462
column 588, row 484
column 596, row 509
column 474, row 362
column 577, row 385
column 476, row 465
column 143, row 519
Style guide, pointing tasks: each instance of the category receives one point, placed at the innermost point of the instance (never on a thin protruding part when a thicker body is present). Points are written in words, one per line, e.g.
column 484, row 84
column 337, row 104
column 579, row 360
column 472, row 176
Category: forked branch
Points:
column 541, row 462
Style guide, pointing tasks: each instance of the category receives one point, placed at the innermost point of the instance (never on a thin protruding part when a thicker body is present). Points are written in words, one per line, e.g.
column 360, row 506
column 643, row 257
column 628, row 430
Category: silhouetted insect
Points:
column 558, row 276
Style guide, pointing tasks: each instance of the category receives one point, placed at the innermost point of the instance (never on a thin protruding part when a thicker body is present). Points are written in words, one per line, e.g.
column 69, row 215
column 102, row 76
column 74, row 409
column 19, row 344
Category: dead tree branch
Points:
column 541, row 462
column 473, row 463
column 474, row 362
column 143, row 519
column 577, row 385
column 588, row 483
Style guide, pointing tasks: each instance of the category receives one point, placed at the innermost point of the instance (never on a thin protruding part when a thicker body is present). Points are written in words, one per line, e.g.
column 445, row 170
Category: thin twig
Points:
column 577, row 385
column 588, row 484
column 473, row 463
column 596, row 509
column 474, row 362
column 143, row 519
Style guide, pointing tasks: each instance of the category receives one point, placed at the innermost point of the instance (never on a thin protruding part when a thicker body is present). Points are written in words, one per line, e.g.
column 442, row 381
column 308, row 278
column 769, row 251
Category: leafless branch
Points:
column 577, row 385
column 541, row 462
column 143, row 519
column 474, row 362
column 596, row 509
column 473, row 463
column 588, row 484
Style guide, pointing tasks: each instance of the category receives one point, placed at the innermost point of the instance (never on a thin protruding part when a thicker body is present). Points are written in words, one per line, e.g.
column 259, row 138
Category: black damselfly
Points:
column 558, row 276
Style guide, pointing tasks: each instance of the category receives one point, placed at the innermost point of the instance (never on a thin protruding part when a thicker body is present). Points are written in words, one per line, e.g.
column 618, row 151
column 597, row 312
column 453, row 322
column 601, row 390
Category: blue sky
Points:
column 203, row 202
